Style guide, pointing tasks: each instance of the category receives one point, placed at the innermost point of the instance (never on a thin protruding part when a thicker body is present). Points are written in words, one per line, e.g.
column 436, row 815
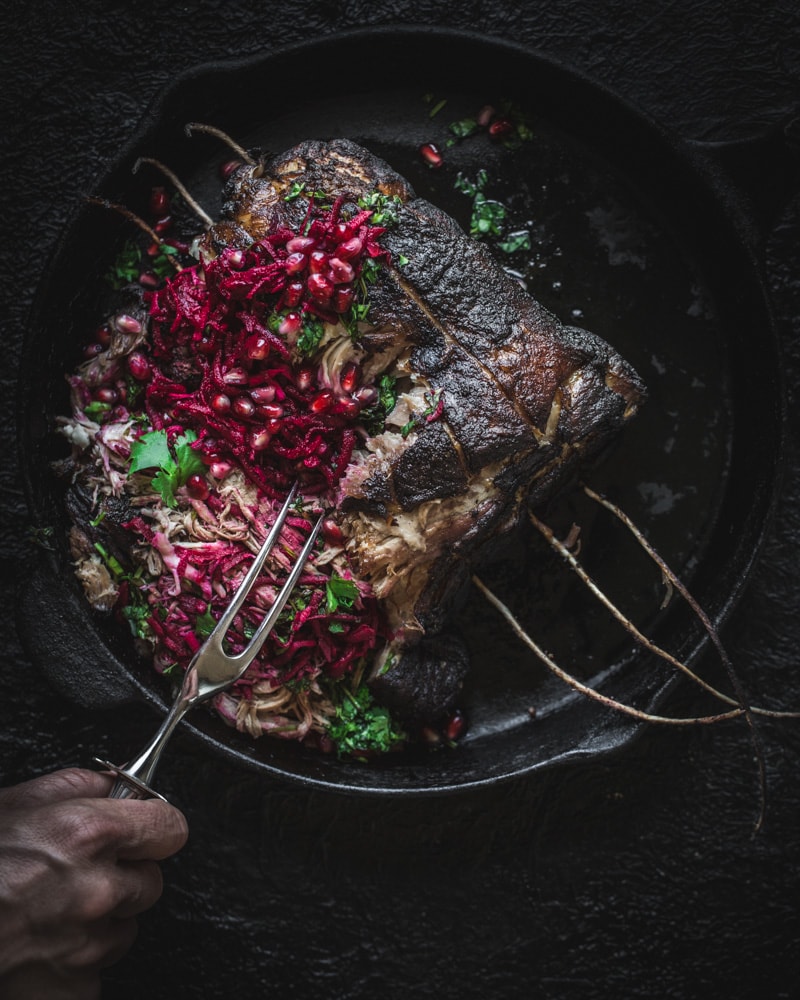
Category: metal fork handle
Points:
column 133, row 778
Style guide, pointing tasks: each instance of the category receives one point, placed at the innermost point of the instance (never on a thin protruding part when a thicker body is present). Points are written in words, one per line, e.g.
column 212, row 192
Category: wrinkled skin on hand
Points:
column 75, row 870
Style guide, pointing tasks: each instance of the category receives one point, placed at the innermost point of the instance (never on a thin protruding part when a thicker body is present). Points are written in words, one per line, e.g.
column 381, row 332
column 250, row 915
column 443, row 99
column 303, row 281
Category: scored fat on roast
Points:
column 337, row 329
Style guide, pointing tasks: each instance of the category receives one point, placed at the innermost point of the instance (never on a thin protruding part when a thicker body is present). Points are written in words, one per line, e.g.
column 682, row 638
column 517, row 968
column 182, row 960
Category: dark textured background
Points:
column 638, row 877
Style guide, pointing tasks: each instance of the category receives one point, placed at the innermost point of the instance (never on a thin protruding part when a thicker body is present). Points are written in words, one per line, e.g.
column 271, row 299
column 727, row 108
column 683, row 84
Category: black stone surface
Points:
column 639, row 877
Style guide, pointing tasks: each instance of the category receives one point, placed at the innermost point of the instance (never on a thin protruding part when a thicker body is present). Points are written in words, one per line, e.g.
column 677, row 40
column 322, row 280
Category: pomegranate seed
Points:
column 107, row 394
column 293, row 293
column 273, row 425
column 500, row 128
column 259, row 439
column 455, row 726
column 139, row 366
column 350, row 376
column 235, row 259
column 221, row 403
column 257, row 347
column 127, row 324
column 235, row 376
column 104, row 336
column 226, row 169
column 431, row 155
column 148, row 280
column 208, row 446
column 430, row 735
column 159, row 202
column 304, row 379
column 341, row 270
column 163, row 224
column 92, row 350
column 349, row 248
column 197, row 487
column 290, row 324
column 319, row 288
column 295, row 263
column 243, row 406
column 322, row 402
column 343, row 299
column 220, row 469
column 485, row 115
column 263, row 394
column 300, row 244
column 331, row 532
column 348, row 407
column 318, row 262
column 272, row 410
column 366, row 395
column 342, row 231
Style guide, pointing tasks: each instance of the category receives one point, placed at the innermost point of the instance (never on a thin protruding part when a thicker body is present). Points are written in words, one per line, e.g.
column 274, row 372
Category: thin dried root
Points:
column 564, row 550
column 713, row 635
column 591, row 692
column 130, row 216
column 195, row 207
column 240, row 151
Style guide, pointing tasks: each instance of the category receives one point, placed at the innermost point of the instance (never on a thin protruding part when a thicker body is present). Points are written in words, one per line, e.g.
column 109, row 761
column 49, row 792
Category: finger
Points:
column 103, row 943
column 68, row 783
column 148, row 829
column 140, row 884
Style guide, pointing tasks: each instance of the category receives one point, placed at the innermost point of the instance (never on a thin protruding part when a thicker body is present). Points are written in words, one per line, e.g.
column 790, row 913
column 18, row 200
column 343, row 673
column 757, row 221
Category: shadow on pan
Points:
column 634, row 234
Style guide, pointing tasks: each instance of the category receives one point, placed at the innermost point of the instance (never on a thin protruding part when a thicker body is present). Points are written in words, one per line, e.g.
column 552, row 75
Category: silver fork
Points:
column 212, row 669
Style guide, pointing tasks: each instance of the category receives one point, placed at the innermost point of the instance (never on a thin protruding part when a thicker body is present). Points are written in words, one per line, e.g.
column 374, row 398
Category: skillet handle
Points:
column 765, row 169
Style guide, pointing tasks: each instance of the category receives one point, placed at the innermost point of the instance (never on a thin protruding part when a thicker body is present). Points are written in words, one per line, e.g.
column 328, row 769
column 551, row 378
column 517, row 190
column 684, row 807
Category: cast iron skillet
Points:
column 636, row 235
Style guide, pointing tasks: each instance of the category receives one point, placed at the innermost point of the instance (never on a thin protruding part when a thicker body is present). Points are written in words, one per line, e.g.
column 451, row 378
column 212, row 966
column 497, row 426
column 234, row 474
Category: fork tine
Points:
column 257, row 565
column 251, row 650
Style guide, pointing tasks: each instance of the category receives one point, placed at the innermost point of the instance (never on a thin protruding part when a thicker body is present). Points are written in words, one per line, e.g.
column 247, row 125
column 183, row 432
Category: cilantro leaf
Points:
column 150, row 451
column 174, row 465
column 205, row 624
column 339, row 593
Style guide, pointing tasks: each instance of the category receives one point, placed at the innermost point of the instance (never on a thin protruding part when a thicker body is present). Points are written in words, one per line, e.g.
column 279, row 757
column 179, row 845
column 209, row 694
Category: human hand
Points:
column 75, row 869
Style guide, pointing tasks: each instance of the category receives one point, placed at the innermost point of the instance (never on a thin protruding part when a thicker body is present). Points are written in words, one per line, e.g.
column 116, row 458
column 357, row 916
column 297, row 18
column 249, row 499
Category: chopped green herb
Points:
column 295, row 191
column 516, row 241
column 374, row 417
column 385, row 208
column 95, row 410
column 98, row 520
column 402, row 260
column 437, row 108
column 126, row 267
column 312, row 334
column 336, row 627
column 114, row 565
column 163, row 264
column 362, row 727
column 463, row 128
column 487, row 216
